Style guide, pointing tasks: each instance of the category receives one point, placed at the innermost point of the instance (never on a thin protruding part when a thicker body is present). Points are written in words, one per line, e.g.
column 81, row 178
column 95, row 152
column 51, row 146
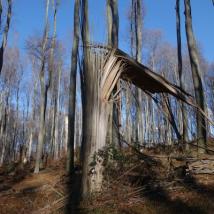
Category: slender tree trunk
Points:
column 128, row 120
column 113, row 26
column 0, row 13
column 51, row 70
column 32, row 128
column 86, row 150
column 113, row 22
column 180, row 68
column 5, row 34
column 53, row 112
column 5, row 130
column 65, row 134
column 43, row 101
column 15, row 128
column 72, row 91
column 41, row 126
column 56, row 135
column 197, row 78
column 138, row 31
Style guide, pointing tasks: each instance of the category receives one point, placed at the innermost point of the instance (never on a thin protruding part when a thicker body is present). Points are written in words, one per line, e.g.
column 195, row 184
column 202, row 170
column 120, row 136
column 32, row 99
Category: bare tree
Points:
column 95, row 112
column 197, row 78
column 44, row 91
column 137, row 24
column 72, row 91
column 113, row 22
column 180, row 65
column 113, row 27
column 6, row 30
column 11, row 122
column 55, row 90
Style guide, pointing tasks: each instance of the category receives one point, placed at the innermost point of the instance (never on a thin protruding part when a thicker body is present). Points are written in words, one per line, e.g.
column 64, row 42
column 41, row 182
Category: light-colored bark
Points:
column 95, row 113
column 52, row 67
column 65, row 134
column 197, row 78
column 56, row 135
column 43, row 100
column 137, row 4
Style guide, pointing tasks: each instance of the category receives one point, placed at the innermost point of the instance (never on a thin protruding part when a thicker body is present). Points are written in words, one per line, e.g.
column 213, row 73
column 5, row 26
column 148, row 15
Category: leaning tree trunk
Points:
column 197, row 78
column 72, row 91
column 43, row 100
column 180, row 65
column 5, row 34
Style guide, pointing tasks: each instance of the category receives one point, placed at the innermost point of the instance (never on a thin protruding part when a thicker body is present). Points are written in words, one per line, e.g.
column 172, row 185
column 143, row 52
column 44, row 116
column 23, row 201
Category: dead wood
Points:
column 118, row 65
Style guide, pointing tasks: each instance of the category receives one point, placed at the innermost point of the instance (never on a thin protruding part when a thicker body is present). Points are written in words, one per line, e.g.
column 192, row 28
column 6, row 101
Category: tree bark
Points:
column 56, row 135
column 43, row 101
column 5, row 34
column 197, row 78
column 113, row 22
column 180, row 68
column 72, row 91
column 95, row 113
column 138, row 30
column 113, row 26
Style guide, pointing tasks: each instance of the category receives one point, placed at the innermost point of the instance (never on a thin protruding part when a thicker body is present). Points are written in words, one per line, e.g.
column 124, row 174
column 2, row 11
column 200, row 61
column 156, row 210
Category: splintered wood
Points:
column 120, row 65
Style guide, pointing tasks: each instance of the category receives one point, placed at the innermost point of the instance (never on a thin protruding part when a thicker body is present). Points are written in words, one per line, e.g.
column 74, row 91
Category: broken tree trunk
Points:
column 95, row 111
column 120, row 65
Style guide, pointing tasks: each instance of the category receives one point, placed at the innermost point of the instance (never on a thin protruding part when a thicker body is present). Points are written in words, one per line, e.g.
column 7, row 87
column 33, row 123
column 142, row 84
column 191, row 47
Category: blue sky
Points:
column 28, row 19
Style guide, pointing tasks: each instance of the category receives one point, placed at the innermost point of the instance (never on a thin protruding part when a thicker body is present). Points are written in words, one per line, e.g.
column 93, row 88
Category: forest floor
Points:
column 155, row 184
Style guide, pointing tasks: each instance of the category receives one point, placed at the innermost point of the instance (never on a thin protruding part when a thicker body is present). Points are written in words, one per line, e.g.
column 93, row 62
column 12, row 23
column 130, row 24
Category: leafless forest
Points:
column 116, row 131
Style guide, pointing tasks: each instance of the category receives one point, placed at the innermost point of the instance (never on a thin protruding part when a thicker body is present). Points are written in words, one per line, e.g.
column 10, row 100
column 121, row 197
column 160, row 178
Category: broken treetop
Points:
column 120, row 65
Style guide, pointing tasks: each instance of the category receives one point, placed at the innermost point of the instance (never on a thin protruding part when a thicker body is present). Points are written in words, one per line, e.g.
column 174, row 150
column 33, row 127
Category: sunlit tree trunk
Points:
column 128, row 126
column 197, row 78
column 138, row 18
column 43, row 99
column 52, row 67
column 65, row 134
column 56, row 135
column 95, row 114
